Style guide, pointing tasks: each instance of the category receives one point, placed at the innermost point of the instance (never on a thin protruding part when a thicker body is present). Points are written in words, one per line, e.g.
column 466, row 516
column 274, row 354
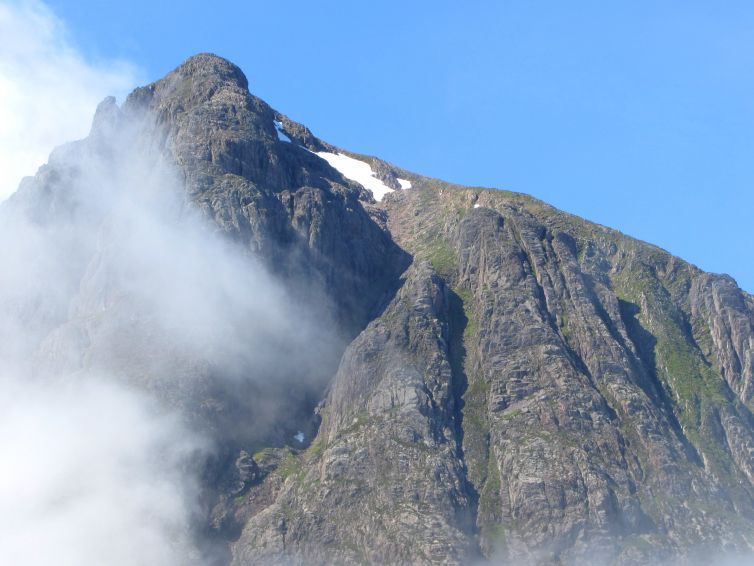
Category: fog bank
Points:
column 136, row 341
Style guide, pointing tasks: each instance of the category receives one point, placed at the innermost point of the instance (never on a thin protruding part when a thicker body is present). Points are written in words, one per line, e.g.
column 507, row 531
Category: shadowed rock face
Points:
column 520, row 384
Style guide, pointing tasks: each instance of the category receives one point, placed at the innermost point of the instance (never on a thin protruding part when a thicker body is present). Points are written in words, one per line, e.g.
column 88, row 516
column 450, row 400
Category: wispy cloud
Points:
column 48, row 88
column 137, row 344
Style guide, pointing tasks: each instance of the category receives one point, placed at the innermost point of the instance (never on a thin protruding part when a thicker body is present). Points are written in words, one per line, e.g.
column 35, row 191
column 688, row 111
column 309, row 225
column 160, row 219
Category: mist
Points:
column 48, row 88
column 92, row 474
column 137, row 345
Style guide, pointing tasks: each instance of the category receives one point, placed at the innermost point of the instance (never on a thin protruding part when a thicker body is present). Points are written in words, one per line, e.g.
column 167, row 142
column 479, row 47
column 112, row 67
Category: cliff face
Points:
column 506, row 381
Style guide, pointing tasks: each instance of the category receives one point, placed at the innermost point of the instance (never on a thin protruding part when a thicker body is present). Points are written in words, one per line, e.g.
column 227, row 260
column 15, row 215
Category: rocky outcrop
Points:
column 723, row 321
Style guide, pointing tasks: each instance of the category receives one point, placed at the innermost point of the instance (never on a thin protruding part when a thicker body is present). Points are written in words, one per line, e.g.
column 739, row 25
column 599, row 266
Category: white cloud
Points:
column 48, row 89
column 92, row 476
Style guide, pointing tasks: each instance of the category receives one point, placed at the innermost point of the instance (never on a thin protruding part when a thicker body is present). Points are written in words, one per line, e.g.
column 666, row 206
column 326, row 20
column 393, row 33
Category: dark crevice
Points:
column 458, row 321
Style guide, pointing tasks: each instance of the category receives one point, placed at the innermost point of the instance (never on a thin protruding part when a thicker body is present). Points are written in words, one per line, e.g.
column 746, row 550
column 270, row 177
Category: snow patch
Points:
column 280, row 131
column 404, row 183
column 299, row 436
column 477, row 205
column 358, row 171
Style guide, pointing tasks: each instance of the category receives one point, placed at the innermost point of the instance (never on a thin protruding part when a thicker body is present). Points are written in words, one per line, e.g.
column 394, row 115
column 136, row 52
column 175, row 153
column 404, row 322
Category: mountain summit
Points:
column 496, row 380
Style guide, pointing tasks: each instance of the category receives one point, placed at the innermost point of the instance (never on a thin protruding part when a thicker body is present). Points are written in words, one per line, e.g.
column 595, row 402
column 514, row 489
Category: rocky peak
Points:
column 212, row 69
column 197, row 80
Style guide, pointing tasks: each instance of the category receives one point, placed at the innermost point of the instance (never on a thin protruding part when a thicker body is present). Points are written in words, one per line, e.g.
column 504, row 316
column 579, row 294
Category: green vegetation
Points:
column 290, row 465
column 494, row 534
column 429, row 241
column 509, row 415
column 469, row 311
column 319, row 444
column 443, row 259
column 563, row 320
column 263, row 454
column 489, row 502
column 476, row 431
column 703, row 335
column 281, row 461
column 315, row 449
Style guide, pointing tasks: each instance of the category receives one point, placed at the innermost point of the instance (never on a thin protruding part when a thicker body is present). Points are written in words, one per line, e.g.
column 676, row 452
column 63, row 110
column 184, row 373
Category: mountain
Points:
column 464, row 374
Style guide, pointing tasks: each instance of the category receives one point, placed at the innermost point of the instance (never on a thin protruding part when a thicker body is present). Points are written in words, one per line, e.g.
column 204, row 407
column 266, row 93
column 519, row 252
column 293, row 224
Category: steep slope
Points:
column 506, row 381
column 605, row 422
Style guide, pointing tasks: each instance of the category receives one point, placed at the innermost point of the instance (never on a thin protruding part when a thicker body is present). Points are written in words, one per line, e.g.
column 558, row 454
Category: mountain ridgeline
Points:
column 465, row 375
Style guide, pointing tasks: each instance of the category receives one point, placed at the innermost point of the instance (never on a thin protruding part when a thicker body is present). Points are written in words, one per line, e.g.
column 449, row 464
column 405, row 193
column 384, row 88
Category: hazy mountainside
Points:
column 475, row 375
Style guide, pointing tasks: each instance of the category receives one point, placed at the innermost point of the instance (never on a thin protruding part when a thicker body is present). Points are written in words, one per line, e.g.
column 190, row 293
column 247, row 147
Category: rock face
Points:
column 392, row 417
column 515, row 383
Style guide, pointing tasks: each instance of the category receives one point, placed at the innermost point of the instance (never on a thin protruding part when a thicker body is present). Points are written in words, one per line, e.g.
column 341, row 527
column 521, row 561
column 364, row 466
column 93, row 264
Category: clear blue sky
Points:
column 635, row 114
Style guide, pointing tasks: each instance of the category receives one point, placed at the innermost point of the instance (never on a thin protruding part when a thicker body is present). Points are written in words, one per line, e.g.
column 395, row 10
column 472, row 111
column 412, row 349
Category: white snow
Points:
column 358, row 171
column 299, row 436
column 281, row 132
column 477, row 205
column 404, row 183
